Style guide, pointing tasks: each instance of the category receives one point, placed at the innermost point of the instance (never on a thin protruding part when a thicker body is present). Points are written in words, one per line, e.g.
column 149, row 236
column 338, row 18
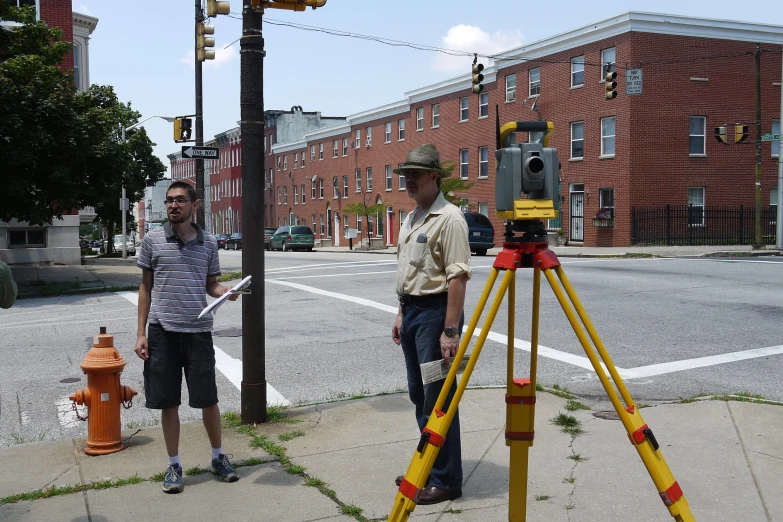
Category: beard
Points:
column 177, row 217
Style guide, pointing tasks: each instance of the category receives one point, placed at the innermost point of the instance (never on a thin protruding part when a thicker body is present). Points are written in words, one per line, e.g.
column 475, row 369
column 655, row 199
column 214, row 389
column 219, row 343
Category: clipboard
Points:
column 241, row 288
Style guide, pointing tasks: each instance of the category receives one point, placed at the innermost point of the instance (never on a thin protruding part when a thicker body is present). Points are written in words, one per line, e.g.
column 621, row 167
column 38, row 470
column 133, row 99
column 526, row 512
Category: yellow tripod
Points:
column 531, row 251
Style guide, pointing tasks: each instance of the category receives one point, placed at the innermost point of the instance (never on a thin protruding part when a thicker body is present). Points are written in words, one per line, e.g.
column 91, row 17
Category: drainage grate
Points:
column 229, row 332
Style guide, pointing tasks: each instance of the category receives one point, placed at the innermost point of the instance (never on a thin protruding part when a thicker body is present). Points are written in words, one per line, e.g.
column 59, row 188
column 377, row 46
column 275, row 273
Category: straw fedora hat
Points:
column 424, row 157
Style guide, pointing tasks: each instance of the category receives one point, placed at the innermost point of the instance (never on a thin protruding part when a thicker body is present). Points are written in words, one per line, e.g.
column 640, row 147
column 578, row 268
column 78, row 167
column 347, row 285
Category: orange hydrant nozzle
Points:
column 104, row 395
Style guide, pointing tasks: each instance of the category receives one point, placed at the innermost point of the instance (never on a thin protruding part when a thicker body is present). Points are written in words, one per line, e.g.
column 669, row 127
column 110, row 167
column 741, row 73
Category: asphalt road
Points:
column 673, row 327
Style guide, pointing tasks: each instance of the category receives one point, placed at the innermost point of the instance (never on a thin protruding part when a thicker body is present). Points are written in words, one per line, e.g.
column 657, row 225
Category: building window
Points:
column 285, row 195
column 483, row 162
column 483, row 105
column 336, row 149
column 312, row 152
column 403, row 215
column 320, row 188
column 401, row 130
column 27, row 238
column 483, row 209
column 511, row 88
column 303, row 159
column 697, row 136
column 463, row 109
column 606, row 200
column 296, row 160
column 608, row 62
column 402, row 184
column 321, row 217
column 359, row 224
column 304, row 197
column 285, row 162
column 577, row 139
column 387, row 131
column 312, row 189
column 775, row 143
column 335, row 187
column 345, row 186
column 369, row 136
column 76, row 65
column 436, row 116
column 463, row 163
column 279, row 196
column 345, row 224
column 369, row 179
column 314, row 228
column 696, row 206
column 388, row 177
column 358, row 180
column 534, row 78
column 577, row 71
column 345, row 146
column 607, row 136
column 370, row 228
column 278, row 163
column 296, row 195
column 420, row 118
column 320, row 151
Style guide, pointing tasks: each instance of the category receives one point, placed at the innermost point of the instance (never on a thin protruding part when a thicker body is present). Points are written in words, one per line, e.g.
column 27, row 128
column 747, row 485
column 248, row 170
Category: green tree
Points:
column 365, row 210
column 451, row 185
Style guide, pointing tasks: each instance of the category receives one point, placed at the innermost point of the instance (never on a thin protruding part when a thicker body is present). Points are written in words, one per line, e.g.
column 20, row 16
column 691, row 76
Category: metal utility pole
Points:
column 199, row 119
column 252, row 131
column 779, row 216
column 757, row 236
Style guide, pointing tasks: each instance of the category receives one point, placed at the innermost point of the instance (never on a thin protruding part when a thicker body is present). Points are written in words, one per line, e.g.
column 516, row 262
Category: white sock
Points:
column 216, row 452
column 174, row 461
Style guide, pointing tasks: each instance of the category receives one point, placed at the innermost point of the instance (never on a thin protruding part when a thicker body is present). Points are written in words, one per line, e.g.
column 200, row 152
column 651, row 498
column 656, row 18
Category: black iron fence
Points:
column 698, row 225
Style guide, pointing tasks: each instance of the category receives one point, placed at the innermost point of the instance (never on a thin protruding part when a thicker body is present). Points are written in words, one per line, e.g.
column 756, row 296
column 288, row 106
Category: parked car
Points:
column 130, row 246
column 268, row 233
column 221, row 240
column 297, row 237
column 234, row 241
column 481, row 233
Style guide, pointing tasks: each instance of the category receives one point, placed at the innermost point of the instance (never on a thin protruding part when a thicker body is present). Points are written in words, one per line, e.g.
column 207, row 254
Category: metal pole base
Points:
column 253, row 403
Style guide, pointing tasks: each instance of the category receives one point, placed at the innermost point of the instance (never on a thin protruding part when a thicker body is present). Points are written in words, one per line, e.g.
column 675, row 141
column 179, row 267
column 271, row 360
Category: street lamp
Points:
column 124, row 204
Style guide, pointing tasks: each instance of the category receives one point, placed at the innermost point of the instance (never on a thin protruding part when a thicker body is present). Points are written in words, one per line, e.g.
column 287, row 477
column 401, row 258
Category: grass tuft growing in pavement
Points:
column 229, row 276
column 292, row 435
column 573, row 405
column 55, row 491
column 569, row 424
column 231, row 419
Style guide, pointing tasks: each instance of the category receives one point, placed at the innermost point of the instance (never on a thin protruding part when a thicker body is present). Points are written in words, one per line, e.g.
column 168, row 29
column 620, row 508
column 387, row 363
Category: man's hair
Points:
column 183, row 185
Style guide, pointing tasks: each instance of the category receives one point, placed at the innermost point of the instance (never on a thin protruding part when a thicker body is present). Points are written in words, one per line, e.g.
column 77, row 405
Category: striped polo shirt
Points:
column 180, row 274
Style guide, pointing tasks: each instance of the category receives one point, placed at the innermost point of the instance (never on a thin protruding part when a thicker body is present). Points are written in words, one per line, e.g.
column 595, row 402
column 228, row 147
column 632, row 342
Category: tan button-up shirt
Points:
column 432, row 251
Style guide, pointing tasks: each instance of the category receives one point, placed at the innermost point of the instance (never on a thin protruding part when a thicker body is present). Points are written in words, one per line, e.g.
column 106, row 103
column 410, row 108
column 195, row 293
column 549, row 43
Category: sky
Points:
column 145, row 50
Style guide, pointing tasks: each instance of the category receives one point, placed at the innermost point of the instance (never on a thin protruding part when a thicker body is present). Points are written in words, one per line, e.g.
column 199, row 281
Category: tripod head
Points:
column 530, row 169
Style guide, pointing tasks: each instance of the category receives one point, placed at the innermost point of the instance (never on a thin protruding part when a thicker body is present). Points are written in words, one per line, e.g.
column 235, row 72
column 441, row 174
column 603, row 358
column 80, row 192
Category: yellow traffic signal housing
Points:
column 204, row 42
column 611, row 85
column 182, row 129
column 477, row 77
column 215, row 8
column 740, row 133
column 720, row 134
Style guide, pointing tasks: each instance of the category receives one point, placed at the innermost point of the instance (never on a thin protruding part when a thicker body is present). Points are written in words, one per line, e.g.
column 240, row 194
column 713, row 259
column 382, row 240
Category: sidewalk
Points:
column 726, row 456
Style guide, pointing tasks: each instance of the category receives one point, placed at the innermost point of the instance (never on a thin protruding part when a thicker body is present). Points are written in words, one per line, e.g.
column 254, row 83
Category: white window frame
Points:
column 320, row 151
column 692, row 136
column 603, row 194
column 577, row 66
column 401, row 184
column 464, row 109
column 336, row 146
column 296, row 194
column 368, row 132
column 464, row 163
column 387, row 132
column 358, row 180
column 321, row 188
column 420, row 119
column 312, row 188
column 483, row 209
column 296, row 160
column 400, row 130
column 534, row 84
column 345, row 187
column 435, row 115
column 388, row 178
column 278, row 163
column 573, row 140
column 612, row 60
column 511, row 88
column 483, row 105
column 285, row 162
column 775, row 145
column 358, row 138
column 336, row 187
column 702, row 204
column 605, row 137
column 483, row 162
column 304, row 194
column 285, row 195
column 345, row 147
column 312, row 152
column 303, row 159
column 369, row 179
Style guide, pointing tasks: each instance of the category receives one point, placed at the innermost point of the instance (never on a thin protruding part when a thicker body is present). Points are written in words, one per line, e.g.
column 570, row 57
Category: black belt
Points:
column 408, row 299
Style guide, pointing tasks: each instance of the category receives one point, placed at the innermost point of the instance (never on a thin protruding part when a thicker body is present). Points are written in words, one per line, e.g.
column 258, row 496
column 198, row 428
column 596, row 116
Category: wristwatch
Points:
column 450, row 331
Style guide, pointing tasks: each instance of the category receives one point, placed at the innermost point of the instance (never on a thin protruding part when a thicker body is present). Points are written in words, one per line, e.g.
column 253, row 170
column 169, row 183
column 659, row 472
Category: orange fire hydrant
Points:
column 103, row 396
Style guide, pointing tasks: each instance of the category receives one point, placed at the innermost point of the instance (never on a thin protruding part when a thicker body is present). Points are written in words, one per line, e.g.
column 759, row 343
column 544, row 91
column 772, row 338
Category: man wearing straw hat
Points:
column 433, row 268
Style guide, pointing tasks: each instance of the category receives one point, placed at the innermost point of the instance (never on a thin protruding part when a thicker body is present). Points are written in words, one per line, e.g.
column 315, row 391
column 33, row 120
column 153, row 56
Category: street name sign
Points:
column 633, row 81
column 201, row 152
column 770, row 137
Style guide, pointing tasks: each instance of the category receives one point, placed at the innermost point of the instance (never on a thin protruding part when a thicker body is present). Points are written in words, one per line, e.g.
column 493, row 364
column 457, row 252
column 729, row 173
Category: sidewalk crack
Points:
column 745, row 452
column 81, row 479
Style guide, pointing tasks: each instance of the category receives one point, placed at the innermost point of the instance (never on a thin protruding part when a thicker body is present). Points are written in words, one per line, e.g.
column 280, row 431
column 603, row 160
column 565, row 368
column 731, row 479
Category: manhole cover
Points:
column 68, row 380
column 229, row 332
column 607, row 415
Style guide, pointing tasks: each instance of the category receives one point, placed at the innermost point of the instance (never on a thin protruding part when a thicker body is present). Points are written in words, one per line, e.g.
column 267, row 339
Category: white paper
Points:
column 438, row 370
column 217, row 303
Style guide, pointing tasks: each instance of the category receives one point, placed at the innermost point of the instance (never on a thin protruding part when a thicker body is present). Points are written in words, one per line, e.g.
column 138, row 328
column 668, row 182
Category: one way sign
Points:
column 201, row 152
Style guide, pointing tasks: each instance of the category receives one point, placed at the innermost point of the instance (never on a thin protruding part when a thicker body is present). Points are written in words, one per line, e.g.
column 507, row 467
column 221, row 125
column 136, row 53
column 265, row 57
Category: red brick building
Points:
column 649, row 147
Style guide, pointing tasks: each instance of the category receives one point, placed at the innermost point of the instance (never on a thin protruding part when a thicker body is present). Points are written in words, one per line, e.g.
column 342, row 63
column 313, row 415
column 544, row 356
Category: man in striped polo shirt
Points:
column 180, row 265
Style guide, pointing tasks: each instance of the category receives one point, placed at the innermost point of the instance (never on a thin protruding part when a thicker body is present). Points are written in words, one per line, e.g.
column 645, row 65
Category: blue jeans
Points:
column 422, row 325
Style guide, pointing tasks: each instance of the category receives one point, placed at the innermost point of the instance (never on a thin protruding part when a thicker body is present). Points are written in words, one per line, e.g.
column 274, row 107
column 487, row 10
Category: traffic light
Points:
column 740, row 133
column 215, row 8
column 204, row 42
column 611, row 85
column 720, row 134
column 182, row 129
column 478, row 77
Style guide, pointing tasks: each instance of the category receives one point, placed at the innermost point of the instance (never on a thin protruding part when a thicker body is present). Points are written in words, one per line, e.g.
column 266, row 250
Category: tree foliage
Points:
column 451, row 185
column 364, row 209
column 61, row 150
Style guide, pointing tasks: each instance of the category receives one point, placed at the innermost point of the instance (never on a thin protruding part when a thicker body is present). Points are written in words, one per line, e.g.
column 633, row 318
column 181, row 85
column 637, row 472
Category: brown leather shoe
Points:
column 398, row 480
column 433, row 495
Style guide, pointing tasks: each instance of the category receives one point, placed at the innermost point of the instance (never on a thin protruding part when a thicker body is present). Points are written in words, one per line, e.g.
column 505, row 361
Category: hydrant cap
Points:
column 103, row 357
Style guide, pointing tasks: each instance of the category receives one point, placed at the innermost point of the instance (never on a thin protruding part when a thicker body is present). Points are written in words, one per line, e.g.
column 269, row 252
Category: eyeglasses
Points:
column 178, row 201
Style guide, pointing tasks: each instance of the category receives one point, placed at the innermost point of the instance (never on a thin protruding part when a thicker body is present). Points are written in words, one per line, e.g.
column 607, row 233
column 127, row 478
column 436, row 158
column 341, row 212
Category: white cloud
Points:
column 222, row 56
column 83, row 9
column 473, row 40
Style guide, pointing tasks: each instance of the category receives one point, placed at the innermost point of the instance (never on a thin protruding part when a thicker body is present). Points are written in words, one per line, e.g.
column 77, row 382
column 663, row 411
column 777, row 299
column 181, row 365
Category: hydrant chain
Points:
column 78, row 416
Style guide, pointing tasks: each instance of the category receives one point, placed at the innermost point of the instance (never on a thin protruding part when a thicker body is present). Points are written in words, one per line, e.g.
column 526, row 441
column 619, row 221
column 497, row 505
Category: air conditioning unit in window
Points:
column 369, row 141
column 268, row 186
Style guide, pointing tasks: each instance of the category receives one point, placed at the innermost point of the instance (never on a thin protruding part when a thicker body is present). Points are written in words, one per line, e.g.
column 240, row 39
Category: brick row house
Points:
column 642, row 149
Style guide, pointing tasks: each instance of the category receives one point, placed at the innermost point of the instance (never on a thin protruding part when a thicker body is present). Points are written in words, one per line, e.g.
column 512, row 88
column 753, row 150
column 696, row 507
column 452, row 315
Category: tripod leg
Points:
column 639, row 433
column 434, row 432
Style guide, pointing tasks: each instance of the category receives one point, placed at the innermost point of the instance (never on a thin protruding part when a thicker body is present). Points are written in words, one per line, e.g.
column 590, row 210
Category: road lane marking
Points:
column 320, row 276
column 49, row 320
column 227, row 365
column 324, row 266
column 700, row 362
column 73, row 322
